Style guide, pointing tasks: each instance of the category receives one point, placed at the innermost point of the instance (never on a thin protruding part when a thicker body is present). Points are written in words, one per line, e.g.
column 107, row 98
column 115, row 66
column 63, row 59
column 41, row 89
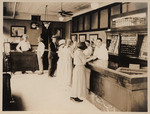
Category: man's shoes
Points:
column 78, row 100
column 40, row 73
column 50, row 76
column 24, row 72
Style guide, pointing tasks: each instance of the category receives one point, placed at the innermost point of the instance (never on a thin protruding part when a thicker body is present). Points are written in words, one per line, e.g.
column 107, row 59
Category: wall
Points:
column 125, row 8
column 68, row 30
column 33, row 33
column 101, row 34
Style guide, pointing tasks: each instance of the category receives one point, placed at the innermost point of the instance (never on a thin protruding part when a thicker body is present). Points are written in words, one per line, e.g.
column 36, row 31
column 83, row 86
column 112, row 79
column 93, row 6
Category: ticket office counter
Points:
column 26, row 61
column 126, row 92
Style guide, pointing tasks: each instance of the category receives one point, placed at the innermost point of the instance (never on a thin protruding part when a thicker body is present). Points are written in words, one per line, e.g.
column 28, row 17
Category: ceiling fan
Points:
column 64, row 13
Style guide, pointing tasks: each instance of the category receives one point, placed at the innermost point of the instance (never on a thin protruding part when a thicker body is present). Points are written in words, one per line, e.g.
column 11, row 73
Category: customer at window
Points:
column 79, row 82
column 88, row 50
column 60, row 63
column 24, row 45
column 68, row 67
column 74, row 43
column 40, row 52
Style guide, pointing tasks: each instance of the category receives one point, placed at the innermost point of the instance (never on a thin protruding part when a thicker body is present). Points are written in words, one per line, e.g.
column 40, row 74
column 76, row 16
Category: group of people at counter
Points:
column 67, row 60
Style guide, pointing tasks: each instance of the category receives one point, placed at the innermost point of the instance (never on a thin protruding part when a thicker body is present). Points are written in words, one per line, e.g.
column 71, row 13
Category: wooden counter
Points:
column 125, row 92
column 26, row 61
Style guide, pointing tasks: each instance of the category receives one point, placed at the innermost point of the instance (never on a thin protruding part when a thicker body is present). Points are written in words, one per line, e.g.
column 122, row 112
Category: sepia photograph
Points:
column 76, row 57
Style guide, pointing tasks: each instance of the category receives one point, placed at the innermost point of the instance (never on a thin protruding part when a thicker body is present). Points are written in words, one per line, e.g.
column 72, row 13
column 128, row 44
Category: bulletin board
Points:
column 82, row 37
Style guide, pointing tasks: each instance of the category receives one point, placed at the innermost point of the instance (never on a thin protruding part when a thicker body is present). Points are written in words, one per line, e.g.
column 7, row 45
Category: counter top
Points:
column 105, row 69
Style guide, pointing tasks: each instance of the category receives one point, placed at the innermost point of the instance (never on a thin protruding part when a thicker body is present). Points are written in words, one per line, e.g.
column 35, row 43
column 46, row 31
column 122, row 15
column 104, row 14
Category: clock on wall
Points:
column 34, row 25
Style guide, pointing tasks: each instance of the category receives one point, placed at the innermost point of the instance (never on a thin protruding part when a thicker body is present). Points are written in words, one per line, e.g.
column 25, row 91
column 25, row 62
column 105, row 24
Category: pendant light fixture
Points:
column 61, row 18
column 46, row 24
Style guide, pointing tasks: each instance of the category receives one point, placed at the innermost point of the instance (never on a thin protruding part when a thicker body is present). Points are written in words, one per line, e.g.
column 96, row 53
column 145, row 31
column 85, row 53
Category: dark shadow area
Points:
column 10, row 102
column 15, row 105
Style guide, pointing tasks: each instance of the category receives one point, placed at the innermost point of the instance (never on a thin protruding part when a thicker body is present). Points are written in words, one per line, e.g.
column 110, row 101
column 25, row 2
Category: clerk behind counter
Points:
column 100, row 51
column 24, row 45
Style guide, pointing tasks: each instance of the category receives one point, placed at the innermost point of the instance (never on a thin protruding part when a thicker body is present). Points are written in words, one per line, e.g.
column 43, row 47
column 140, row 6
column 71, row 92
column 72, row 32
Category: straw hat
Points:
column 61, row 42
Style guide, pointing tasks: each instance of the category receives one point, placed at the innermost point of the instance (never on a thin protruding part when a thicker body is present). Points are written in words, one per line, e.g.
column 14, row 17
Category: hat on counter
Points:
column 61, row 42
column 82, row 45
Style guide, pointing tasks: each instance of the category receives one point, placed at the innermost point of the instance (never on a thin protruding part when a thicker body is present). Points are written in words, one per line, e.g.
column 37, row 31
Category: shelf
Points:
column 139, row 28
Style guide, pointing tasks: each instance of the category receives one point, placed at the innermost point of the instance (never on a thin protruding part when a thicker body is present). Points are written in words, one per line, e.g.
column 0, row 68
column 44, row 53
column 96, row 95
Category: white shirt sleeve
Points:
column 42, row 49
column 18, row 47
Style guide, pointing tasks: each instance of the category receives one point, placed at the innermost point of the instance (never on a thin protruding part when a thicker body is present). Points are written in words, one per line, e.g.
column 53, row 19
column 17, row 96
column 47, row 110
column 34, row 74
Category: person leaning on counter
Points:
column 100, row 51
column 24, row 45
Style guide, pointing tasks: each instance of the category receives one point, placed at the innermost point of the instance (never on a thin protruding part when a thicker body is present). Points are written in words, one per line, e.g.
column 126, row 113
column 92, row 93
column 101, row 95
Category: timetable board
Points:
column 128, row 44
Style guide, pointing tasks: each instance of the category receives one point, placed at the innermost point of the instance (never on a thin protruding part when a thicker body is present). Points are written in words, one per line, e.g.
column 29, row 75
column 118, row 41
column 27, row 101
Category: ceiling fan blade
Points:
column 68, row 11
column 65, row 13
column 69, row 14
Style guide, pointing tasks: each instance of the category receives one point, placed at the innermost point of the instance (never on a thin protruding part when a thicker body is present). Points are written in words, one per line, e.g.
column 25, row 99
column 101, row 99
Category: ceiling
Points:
column 24, row 10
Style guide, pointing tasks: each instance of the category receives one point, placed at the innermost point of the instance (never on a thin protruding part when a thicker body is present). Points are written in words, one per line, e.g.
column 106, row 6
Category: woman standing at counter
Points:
column 79, row 81
column 88, row 50
column 60, row 63
column 68, row 67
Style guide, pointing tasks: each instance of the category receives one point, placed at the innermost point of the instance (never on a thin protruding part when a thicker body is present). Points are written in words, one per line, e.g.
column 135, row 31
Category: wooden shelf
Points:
column 139, row 28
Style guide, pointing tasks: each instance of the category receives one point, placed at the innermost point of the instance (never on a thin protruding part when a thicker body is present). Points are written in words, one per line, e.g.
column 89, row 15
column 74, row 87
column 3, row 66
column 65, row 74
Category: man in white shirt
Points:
column 40, row 52
column 100, row 51
column 88, row 50
column 24, row 45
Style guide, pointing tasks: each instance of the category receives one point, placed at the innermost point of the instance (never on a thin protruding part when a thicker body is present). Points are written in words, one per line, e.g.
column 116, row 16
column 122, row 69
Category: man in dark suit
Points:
column 52, row 56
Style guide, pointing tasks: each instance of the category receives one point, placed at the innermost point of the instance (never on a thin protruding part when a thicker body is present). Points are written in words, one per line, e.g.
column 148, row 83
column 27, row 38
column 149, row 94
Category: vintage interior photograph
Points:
column 75, row 57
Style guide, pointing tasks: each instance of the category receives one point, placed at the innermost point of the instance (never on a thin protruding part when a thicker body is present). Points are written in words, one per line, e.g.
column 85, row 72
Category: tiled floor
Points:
column 35, row 92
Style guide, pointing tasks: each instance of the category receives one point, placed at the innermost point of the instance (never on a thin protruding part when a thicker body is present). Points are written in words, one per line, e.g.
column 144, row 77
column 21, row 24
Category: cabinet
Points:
column 26, row 61
column 127, row 38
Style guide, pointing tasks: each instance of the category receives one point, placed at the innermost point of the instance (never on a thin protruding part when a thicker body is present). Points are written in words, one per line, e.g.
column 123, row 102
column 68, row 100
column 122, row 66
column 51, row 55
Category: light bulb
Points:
column 61, row 18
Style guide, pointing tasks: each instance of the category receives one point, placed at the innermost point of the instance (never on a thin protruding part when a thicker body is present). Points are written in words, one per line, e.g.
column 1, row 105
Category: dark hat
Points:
column 87, row 41
column 81, row 45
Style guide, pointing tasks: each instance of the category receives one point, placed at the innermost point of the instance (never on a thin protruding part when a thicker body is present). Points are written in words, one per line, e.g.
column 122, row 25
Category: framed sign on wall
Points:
column 82, row 37
column 17, row 31
column 93, row 37
column 73, row 36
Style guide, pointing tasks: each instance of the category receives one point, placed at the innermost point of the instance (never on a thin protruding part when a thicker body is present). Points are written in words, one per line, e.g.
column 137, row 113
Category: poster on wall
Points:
column 73, row 36
column 82, row 37
column 93, row 38
column 17, row 31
